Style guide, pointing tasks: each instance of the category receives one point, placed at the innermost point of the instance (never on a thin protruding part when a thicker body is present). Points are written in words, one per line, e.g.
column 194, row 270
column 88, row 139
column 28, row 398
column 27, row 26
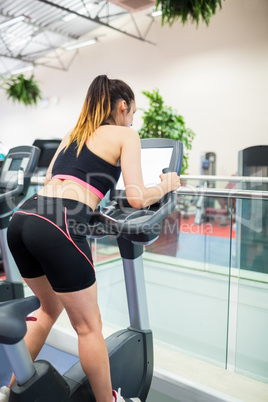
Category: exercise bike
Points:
column 130, row 350
column 16, row 171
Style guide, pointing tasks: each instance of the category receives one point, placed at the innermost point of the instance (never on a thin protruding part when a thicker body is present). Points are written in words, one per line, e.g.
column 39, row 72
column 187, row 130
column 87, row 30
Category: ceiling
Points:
column 37, row 32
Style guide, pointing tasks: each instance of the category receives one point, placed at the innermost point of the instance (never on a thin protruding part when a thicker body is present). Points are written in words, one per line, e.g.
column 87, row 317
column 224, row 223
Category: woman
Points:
column 47, row 235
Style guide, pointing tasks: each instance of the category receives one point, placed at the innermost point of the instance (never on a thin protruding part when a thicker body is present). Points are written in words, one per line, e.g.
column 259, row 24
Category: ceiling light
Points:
column 156, row 13
column 18, row 43
column 77, row 45
column 68, row 17
column 12, row 21
column 21, row 70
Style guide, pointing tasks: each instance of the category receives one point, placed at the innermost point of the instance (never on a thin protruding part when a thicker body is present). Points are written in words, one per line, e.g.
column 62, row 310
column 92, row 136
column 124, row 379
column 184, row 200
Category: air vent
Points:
column 134, row 5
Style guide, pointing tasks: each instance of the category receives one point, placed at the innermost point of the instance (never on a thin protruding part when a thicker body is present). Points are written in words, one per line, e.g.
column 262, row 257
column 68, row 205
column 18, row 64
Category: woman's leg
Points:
column 83, row 311
column 67, row 265
column 47, row 314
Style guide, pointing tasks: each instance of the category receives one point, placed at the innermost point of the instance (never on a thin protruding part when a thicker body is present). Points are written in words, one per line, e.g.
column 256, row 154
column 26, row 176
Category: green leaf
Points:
column 22, row 90
column 187, row 10
column 161, row 121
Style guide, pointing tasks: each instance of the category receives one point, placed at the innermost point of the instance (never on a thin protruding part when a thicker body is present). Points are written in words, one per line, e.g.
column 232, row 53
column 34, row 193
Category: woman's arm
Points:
column 63, row 144
column 137, row 194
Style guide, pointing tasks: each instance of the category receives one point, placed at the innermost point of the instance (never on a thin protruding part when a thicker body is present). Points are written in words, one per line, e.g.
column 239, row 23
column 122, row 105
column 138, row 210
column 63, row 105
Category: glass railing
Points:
column 206, row 278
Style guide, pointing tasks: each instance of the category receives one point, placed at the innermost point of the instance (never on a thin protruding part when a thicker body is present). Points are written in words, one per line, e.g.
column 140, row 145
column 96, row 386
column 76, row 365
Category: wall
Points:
column 215, row 77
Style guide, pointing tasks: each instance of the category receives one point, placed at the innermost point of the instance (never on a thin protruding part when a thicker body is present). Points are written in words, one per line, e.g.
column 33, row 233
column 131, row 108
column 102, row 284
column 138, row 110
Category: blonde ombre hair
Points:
column 101, row 99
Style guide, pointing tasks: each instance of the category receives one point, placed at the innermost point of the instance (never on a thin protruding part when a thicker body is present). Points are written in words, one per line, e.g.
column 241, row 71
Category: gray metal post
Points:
column 20, row 361
column 136, row 293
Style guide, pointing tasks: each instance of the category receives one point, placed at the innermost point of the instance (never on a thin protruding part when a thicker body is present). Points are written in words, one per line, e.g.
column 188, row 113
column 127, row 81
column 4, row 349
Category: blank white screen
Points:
column 153, row 160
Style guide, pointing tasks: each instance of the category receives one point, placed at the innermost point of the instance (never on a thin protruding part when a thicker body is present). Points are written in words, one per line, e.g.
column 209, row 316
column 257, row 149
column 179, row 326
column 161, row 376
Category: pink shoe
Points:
column 119, row 398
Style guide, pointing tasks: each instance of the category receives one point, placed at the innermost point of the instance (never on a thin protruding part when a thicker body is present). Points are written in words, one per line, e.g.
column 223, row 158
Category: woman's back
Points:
column 88, row 176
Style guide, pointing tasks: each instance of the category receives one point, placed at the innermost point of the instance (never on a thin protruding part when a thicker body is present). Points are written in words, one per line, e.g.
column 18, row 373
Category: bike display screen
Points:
column 153, row 160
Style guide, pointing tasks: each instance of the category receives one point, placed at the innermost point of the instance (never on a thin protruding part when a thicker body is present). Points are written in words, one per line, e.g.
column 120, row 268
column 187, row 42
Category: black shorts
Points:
column 47, row 236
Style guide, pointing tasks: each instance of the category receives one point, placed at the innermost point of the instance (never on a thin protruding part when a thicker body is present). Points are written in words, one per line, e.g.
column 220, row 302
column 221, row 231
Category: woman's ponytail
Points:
column 99, row 106
column 102, row 97
column 95, row 110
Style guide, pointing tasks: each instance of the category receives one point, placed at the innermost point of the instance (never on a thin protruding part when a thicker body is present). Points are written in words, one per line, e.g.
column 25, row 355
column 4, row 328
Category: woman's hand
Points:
column 170, row 180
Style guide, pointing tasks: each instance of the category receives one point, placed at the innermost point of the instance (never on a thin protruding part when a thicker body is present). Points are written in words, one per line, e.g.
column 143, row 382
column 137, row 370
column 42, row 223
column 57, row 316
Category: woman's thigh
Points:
column 82, row 309
column 50, row 302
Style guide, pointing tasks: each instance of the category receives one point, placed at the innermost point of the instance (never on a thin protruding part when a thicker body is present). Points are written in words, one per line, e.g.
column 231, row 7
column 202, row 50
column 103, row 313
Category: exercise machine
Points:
column 47, row 147
column 15, row 176
column 252, row 215
column 130, row 350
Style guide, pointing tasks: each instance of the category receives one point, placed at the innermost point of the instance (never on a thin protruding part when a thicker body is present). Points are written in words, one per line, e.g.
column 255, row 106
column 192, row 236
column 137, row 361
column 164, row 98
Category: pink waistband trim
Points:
column 81, row 182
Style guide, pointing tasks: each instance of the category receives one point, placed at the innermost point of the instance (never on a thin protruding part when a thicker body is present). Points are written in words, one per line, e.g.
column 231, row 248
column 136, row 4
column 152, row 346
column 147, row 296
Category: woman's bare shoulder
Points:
column 129, row 135
column 120, row 134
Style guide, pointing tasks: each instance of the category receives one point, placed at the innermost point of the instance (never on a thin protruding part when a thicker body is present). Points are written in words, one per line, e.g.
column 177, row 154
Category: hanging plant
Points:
column 22, row 90
column 161, row 121
column 184, row 10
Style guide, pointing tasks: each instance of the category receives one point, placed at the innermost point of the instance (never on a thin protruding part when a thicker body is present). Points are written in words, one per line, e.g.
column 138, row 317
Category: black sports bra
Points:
column 88, row 169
